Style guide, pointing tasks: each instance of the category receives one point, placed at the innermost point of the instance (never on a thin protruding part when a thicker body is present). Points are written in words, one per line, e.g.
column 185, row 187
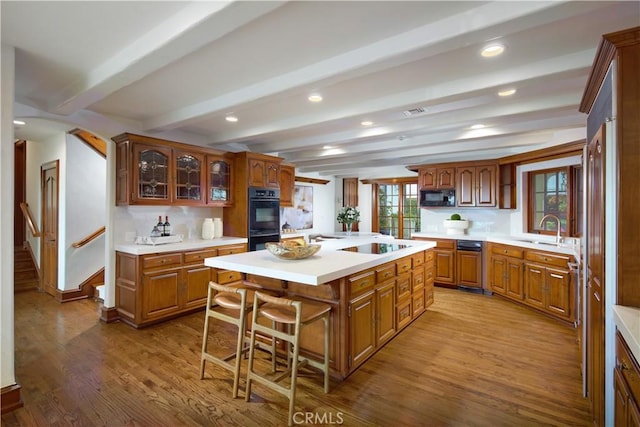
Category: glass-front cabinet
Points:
column 152, row 171
column 218, row 181
column 152, row 179
column 190, row 174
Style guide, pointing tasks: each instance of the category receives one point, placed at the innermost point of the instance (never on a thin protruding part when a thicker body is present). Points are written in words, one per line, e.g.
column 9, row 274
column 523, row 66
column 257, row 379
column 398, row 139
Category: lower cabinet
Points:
column 626, row 376
column 362, row 329
column 385, row 312
column 155, row 287
column 539, row 279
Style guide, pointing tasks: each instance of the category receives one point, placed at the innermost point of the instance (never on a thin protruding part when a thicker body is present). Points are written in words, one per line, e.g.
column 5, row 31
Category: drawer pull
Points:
column 623, row 365
column 505, row 251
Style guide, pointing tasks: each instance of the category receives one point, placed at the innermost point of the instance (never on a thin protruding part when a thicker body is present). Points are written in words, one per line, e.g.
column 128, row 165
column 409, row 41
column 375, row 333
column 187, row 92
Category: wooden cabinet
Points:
column 626, row 386
column 445, row 262
column 155, row 287
column 476, row 186
column 385, row 312
column 287, row 185
column 507, row 186
column 437, row 178
column 362, row 329
column 151, row 171
column 469, row 269
column 548, row 284
column 263, row 172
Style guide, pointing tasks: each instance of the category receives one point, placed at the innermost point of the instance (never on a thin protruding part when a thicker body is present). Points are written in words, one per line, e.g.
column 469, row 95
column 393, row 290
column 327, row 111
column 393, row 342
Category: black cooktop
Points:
column 376, row 248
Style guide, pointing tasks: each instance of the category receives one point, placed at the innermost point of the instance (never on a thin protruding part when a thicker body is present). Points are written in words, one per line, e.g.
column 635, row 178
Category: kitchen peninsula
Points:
column 376, row 287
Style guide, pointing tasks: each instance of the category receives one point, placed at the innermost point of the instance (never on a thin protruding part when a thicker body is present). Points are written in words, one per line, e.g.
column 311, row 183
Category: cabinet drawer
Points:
column 385, row 272
column 157, row 261
column 418, row 302
column 428, row 296
column 446, row 244
column 227, row 276
column 429, row 256
column 418, row 259
column 229, row 250
column 509, row 251
column 626, row 364
column 403, row 313
column 404, row 265
column 199, row 256
column 361, row 282
column 547, row 258
column 418, row 280
column 403, row 287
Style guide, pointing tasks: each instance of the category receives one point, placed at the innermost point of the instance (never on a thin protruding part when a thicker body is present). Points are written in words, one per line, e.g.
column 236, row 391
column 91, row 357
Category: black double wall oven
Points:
column 264, row 217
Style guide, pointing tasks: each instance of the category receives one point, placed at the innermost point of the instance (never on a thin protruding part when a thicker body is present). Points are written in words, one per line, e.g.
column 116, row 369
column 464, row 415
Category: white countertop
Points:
column 328, row 264
column 627, row 320
column 186, row 245
column 522, row 241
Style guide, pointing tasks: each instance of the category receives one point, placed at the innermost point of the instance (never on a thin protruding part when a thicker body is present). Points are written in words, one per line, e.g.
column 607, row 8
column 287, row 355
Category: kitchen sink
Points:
column 537, row 242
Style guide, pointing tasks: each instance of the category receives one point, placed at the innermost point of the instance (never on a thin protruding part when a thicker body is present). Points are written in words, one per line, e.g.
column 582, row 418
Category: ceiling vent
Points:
column 414, row 111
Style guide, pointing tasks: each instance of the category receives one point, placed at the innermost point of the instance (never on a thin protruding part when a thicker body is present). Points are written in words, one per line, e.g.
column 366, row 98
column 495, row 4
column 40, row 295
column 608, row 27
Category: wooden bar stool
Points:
column 294, row 314
column 231, row 305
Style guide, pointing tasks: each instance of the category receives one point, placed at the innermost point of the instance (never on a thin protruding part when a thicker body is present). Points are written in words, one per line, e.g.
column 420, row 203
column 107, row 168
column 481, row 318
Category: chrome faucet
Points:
column 557, row 219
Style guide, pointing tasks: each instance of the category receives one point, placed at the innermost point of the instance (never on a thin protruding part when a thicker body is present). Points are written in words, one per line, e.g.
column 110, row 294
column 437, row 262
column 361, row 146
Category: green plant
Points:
column 348, row 215
column 455, row 217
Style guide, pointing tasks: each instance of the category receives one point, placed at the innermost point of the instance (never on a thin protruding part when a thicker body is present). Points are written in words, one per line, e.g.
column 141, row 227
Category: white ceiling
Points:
column 183, row 66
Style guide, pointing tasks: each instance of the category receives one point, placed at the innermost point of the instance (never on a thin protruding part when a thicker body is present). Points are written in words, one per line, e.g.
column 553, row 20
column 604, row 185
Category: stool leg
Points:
column 240, row 344
column 294, row 373
column 205, row 335
column 273, row 349
column 252, row 346
column 326, row 352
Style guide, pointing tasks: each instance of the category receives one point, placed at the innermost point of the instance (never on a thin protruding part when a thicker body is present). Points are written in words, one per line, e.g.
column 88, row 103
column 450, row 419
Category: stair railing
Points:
column 30, row 221
column 89, row 238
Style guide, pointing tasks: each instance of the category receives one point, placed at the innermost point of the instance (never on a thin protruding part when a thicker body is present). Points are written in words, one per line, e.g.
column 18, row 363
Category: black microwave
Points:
column 431, row 198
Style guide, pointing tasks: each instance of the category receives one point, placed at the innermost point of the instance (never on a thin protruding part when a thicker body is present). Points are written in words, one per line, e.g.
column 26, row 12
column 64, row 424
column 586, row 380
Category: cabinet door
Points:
column 287, row 185
column 219, row 181
column 498, row 275
column 559, row 292
column 257, row 173
column 621, row 400
column 196, row 285
column 189, row 172
column 465, row 192
column 123, row 175
column 469, row 268
column 633, row 414
column 152, row 177
column 446, row 178
column 428, row 178
column 514, row 279
column 385, row 313
column 486, row 185
column 444, row 266
column 362, row 331
column 534, row 285
column 160, row 293
column 272, row 175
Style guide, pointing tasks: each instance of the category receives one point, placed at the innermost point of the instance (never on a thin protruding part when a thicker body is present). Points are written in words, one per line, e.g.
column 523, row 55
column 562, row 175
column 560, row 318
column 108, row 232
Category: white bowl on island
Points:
column 455, row 226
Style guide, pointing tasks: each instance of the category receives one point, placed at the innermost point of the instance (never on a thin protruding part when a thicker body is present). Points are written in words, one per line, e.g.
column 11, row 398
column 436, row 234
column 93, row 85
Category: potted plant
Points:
column 348, row 215
column 455, row 224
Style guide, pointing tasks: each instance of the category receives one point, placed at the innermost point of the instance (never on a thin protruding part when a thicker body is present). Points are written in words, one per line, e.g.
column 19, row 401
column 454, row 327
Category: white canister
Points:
column 217, row 228
column 208, row 229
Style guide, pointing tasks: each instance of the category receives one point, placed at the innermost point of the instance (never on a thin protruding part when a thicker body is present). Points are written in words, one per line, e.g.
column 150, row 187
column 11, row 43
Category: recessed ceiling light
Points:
column 507, row 92
column 19, row 122
column 477, row 126
column 327, row 147
column 366, row 123
column 492, row 50
column 232, row 119
column 315, row 97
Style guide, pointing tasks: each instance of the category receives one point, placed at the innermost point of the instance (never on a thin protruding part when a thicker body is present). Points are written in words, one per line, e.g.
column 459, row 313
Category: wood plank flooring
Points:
column 470, row 360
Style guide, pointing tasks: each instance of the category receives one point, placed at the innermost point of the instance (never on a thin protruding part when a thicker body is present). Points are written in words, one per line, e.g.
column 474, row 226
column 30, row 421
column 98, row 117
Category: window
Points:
column 396, row 210
column 554, row 193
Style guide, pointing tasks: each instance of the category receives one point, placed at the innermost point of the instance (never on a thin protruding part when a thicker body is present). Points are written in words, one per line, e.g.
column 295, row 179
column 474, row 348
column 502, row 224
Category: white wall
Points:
column 7, row 362
column 86, row 187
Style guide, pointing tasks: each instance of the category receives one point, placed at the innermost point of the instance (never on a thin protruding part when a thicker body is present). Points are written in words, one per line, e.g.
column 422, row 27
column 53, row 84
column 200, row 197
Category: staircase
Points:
column 25, row 274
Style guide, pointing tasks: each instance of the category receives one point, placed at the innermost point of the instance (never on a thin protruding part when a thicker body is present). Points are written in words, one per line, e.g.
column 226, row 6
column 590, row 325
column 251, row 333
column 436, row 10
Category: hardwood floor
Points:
column 470, row 360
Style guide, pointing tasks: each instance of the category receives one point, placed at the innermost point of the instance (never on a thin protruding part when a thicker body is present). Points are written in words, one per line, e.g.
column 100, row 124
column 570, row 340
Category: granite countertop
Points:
column 627, row 320
column 522, row 241
column 328, row 264
column 185, row 245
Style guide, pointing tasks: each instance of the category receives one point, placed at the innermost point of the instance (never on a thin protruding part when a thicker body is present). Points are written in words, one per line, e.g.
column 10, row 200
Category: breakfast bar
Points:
column 376, row 287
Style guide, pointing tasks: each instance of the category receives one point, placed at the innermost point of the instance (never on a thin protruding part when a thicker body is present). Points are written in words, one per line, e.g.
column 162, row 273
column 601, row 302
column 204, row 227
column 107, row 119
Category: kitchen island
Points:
column 376, row 287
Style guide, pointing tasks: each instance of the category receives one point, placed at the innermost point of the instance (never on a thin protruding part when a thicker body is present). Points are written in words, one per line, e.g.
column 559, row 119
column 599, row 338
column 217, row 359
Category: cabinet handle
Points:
column 556, row 276
column 505, row 251
column 623, row 365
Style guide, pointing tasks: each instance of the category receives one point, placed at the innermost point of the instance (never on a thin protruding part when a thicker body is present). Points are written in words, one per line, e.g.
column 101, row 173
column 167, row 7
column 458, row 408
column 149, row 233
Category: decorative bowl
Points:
column 455, row 226
column 290, row 251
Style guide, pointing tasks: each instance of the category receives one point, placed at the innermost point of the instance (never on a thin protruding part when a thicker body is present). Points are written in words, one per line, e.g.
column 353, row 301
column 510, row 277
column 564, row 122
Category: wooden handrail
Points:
column 92, row 236
column 29, row 217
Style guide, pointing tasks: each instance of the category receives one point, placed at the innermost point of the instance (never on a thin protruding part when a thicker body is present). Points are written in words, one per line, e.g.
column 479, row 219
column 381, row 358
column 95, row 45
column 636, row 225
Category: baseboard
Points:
column 10, row 398
column 87, row 289
column 109, row 315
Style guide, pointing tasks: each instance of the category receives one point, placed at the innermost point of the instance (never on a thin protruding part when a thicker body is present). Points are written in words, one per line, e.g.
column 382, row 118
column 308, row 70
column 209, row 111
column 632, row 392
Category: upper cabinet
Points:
column 264, row 173
column 287, row 185
column 151, row 171
column 437, row 178
column 476, row 185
